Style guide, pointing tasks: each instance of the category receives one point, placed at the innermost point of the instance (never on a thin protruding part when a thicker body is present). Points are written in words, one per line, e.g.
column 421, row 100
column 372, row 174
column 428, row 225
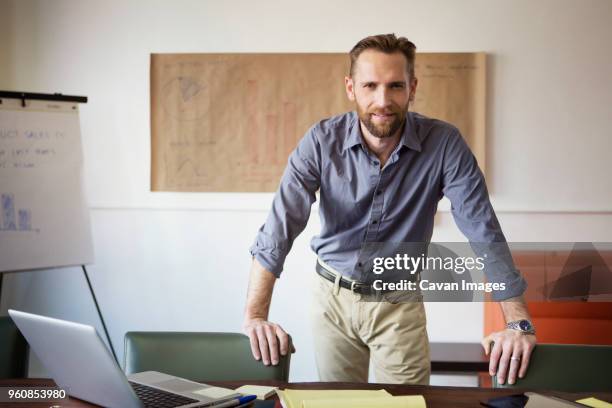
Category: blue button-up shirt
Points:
column 361, row 203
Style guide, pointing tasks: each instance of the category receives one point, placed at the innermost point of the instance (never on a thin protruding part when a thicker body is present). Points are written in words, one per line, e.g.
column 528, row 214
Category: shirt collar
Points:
column 354, row 136
column 409, row 135
column 410, row 138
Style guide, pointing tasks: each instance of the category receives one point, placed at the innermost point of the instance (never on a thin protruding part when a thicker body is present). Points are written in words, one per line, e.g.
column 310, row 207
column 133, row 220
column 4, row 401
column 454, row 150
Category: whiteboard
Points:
column 44, row 220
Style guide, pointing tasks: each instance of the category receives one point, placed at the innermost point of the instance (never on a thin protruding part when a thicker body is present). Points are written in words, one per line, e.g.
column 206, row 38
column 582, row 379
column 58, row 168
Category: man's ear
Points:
column 413, row 87
column 349, row 87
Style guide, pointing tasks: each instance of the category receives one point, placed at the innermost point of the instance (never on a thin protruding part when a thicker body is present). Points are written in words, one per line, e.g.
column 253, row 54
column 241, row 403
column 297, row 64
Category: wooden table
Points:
column 436, row 397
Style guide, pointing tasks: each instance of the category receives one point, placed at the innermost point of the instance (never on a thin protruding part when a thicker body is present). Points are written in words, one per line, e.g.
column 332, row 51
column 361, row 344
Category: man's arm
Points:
column 286, row 220
column 510, row 343
column 265, row 336
column 464, row 185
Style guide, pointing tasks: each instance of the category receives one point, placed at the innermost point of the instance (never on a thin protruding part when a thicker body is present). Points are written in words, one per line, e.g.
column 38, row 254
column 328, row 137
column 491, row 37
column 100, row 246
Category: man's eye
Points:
column 398, row 86
column 369, row 85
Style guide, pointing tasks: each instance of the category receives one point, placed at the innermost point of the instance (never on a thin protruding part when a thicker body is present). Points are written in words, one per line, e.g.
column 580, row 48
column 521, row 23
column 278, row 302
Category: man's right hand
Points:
column 266, row 339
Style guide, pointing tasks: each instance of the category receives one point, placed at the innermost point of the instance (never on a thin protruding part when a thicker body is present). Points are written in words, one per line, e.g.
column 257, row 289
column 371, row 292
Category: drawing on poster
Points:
column 228, row 122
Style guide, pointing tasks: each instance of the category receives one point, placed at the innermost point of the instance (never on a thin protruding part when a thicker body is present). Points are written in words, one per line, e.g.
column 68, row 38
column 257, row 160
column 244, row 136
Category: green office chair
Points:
column 566, row 367
column 199, row 356
column 14, row 350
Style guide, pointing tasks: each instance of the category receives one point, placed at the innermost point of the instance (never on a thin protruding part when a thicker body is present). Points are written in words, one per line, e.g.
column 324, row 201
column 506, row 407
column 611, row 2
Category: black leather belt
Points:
column 357, row 287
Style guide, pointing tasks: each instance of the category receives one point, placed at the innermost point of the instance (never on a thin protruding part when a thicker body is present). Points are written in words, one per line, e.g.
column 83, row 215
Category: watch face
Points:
column 524, row 325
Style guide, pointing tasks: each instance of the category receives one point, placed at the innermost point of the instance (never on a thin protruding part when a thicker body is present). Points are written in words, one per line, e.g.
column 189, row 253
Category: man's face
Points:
column 381, row 89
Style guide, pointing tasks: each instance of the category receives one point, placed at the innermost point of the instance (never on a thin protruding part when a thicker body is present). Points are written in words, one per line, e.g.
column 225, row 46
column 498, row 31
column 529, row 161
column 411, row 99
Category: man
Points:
column 380, row 171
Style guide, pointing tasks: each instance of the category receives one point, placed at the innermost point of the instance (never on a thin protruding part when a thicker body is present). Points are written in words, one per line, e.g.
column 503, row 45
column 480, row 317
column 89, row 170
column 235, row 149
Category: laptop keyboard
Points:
column 154, row 398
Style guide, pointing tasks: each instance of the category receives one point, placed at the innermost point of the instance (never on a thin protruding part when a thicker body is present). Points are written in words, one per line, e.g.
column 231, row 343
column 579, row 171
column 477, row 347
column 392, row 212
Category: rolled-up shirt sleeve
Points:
column 464, row 185
column 291, row 205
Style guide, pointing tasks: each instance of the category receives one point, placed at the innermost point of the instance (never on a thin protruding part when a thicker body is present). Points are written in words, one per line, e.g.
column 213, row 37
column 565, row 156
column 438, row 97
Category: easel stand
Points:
column 93, row 296
column 23, row 96
column 95, row 300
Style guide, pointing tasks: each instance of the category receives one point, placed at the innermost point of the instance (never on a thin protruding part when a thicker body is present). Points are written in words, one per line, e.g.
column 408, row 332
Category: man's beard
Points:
column 382, row 130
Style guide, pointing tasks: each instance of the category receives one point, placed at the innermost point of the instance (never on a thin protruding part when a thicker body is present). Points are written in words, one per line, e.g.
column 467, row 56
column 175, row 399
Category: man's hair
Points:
column 387, row 43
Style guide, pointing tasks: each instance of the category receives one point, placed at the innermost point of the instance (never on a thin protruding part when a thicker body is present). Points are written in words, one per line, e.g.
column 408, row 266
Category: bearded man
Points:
column 380, row 172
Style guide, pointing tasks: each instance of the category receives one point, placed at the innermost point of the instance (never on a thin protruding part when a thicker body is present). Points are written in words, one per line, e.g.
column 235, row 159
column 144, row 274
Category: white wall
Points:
column 168, row 261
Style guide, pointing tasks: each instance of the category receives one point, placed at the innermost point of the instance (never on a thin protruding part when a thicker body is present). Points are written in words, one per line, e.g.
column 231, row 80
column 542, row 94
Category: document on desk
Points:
column 347, row 398
column 261, row 391
column 404, row 401
column 594, row 402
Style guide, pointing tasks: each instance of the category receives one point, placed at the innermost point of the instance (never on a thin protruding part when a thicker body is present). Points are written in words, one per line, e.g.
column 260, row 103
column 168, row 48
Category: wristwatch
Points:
column 524, row 326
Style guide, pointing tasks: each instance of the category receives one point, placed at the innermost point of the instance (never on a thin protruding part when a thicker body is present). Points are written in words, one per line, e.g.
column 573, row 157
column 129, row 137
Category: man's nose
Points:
column 382, row 98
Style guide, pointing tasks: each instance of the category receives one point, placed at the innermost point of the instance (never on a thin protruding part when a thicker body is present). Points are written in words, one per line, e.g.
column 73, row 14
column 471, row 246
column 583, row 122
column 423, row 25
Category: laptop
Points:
column 79, row 362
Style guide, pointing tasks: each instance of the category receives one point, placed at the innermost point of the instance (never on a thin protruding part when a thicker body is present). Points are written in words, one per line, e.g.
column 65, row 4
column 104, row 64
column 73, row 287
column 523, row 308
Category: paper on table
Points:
column 404, row 401
column 215, row 392
column 594, row 402
column 262, row 391
column 293, row 398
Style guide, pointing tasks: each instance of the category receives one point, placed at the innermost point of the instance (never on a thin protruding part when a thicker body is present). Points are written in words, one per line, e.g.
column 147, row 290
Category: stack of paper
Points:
column 261, row 391
column 594, row 402
column 347, row 399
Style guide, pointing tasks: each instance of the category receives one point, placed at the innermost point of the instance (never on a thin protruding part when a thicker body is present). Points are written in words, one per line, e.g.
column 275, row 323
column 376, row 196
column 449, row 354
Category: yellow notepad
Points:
column 404, row 401
column 594, row 402
column 294, row 398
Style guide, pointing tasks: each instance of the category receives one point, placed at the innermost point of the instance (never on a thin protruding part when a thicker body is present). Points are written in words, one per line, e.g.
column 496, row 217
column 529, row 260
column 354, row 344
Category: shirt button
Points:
column 375, row 163
column 374, row 222
column 378, row 192
column 359, row 264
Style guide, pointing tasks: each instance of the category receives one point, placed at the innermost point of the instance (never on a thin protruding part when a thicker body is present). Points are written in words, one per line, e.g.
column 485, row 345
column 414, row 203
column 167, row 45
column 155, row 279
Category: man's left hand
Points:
column 510, row 354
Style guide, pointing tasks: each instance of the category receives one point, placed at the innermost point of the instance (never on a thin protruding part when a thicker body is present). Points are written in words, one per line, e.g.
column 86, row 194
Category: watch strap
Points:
column 516, row 325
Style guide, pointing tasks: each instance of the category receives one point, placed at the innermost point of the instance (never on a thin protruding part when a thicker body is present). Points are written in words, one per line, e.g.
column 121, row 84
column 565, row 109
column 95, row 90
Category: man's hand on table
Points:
column 266, row 340
column 509, row 355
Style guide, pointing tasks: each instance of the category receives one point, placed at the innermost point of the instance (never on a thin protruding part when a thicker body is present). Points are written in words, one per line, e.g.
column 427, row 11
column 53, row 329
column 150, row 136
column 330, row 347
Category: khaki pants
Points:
column 349, row 331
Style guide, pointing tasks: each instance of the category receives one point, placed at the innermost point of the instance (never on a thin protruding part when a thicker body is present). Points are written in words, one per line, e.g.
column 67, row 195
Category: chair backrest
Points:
column 567, row 367
column 199, row 356
column 14, row 350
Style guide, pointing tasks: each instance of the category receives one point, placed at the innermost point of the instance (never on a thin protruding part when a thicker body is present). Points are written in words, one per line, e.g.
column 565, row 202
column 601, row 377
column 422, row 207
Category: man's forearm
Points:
column 259, row 293
column 515, row 309
column 266, row 338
